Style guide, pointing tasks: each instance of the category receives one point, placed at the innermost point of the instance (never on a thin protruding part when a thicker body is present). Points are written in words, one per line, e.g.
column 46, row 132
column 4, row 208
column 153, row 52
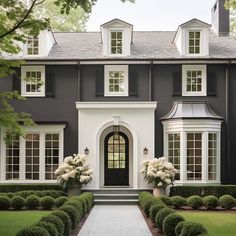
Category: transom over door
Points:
column 116, row 148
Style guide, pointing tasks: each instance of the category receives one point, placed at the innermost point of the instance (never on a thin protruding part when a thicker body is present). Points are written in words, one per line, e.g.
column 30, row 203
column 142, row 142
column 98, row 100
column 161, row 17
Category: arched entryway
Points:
column 116, row 157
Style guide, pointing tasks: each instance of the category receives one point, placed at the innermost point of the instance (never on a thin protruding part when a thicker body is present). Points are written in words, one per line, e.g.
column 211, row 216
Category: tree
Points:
column 231, row 5
column 17, row 21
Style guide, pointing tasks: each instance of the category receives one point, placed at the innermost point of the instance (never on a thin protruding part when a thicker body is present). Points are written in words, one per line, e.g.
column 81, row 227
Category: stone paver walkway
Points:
column 114, row 220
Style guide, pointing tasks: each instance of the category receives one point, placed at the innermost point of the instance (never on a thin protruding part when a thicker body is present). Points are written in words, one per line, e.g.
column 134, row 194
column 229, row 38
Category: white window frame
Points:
column 24, row 70
column 203, row 69
column 109, row 42
column 200, row 45
column 194, row 126
column 42, row 130
column 125, row 69
column 27, row 46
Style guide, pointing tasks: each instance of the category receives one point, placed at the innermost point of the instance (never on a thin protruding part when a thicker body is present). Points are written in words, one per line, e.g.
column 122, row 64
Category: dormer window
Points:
column 194, row 42
column 33, row 45
column 116, row 42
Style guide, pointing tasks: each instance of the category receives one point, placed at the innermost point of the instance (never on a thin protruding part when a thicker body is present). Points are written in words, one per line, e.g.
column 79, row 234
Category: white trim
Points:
column 41, row 130
column 116, row 105
column 125, row 70
column 192, row 125
column 24, row 70
column 203, row 69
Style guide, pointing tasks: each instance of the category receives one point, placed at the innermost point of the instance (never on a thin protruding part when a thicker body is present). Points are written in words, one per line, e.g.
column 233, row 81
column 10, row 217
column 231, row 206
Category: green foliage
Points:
column 177, row 201
column 18, row 202
column 166, row 200
column 226, row 201
column 56, row 221
column 161, row 215
column 155, row 209
column 32, row 202
column 29, row 187
column 49, row 227
column 47, row 202
column 216, row 190
column 194, row 201
column 77, row 205
column 66, row 220
column 210, row 202
column 60, row 201
column 170, row 222
column 73, row 214
column 5, row 202
column 179, row 228
column 33, row 231
column 193, row 229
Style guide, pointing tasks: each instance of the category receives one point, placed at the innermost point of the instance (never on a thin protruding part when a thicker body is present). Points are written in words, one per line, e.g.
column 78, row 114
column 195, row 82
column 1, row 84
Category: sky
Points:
column 150, row 14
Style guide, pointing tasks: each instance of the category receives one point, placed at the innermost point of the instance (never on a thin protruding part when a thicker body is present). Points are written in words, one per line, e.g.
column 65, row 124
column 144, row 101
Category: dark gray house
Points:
column 123, row 96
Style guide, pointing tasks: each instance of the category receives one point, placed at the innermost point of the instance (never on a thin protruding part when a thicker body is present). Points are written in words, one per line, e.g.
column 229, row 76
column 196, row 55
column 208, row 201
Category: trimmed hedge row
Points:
column 31, row 202
column 5, row 188
column 60, row 222
column 166, row 220
column 218, row 190
column 42, row 193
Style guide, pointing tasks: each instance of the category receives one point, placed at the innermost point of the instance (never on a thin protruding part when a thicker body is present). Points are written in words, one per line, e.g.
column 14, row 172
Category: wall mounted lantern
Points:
column 145, row 151
column 86, row 151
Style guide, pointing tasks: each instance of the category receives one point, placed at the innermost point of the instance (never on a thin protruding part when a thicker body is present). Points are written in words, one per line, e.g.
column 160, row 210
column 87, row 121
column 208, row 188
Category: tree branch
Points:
column 21, row 21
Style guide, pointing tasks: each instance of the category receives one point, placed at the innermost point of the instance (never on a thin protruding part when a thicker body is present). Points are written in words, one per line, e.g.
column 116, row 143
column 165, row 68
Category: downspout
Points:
column 150, row 81
column 227, row 78
column 79, row 82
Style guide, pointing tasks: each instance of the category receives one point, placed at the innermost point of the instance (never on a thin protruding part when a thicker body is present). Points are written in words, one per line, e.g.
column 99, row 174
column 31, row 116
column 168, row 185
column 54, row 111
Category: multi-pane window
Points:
column 194, row 42
column 12, row 158
column 32, row 156
column 116, row 42
column 194, row 81
column 116, row 152
column 33, row 45
column 51, row 155
column 212, row 156
column 116, row 81
column 33, row 80
column 174, row 152
column 194, row 156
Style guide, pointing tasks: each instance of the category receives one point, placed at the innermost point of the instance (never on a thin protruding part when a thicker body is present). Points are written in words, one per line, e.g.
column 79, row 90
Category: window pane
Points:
column 212, row 156
column 32, row 45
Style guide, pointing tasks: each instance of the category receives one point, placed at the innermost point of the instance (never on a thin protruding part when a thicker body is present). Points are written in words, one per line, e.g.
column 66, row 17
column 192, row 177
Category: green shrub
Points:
column 178, row 201
column 24, row 194
column 143, row 196
column 226, row 201
column 47, row 202
column 76, row 204
column 194, row 201
column 161, row 215
column 33, row 231
column 73, row 214
column 155, row 209
column 90, row 199
column 170, row 223
column 65, row 219
column 60, row 201
column 210, row 202
column 193, row 229
column 32, row 202
column 179, row 228
column 10, row 195
column 18, row 202
column 49, row 227
column 166, row 200
column 58, row 223
column 5, row 202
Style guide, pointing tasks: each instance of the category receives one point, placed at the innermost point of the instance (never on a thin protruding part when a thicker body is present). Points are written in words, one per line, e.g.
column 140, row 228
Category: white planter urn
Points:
column 157, row 192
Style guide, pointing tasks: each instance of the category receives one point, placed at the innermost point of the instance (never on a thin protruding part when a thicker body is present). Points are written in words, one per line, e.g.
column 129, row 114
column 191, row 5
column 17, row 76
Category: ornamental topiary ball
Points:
column 161, row 215
column 165, row 199
column 178, row 201
column 33, row 231
column 76, row 204
column 226, row 201
column 194, row 201
column 73, row 214
column 193, row 229
column 49, row 227
column 60, row 201
column 5, row 202
column 170, row 222
column 32, row 202
column 155, row 209
column 179, row 227
column 210, row 202
column 18, row 202
column 47, row 202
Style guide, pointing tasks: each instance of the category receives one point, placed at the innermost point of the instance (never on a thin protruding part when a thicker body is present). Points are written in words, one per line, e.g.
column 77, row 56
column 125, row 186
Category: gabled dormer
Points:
column 192, row 38
column 116, row 38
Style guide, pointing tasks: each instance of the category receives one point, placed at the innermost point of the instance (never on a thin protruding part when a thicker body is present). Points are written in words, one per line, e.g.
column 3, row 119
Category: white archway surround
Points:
column 137, row 117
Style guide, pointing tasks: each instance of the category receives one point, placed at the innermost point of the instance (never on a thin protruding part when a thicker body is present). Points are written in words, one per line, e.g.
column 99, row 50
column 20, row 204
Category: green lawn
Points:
column 12, row 221
column 217, row 223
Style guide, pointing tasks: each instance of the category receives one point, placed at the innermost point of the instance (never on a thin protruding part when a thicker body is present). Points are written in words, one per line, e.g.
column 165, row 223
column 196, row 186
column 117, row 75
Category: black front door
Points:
column 116, row 159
